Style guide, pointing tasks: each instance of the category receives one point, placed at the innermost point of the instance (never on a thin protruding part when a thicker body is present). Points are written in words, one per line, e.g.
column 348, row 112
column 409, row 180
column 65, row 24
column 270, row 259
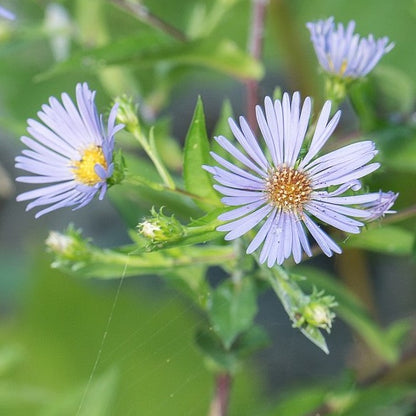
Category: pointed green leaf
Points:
column 147, row 50
column 197, row 180
column 233, row 308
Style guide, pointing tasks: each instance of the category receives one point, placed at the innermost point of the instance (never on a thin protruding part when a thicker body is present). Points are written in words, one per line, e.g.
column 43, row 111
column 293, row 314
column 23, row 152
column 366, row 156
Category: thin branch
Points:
column 255, row 43
column 402, row 215
column 144, row 15
column 219, row 404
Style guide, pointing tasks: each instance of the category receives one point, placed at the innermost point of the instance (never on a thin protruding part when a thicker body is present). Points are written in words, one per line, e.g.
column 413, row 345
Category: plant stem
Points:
column 402, row 215
column 219, row 403
column 255, row 48
column 143, row 14
column 150, row 149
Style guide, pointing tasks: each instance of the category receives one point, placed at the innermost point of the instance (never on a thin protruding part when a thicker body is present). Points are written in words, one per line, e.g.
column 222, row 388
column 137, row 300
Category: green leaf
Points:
column 381, row 400
column 387, row 239
column 197, row 180
column 216, row 357
column 251, row 340
column 192, row 282
column 301, row 402
column 10, row 356
column 147, row 50
column 97, row 400
column 94, row 59
column 100, row 395
column 233, row 308
column 351, row 310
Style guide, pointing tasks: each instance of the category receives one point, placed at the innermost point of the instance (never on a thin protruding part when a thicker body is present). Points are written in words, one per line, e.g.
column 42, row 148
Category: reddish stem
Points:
column 255, row 43
column 219, row 403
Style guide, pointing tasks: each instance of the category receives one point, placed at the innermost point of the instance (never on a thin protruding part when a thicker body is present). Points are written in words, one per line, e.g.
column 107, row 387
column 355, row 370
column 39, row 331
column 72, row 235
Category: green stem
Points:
column 150, row 149
column 112, row 264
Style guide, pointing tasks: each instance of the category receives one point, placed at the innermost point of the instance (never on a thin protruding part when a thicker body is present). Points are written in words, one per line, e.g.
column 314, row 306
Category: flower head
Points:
column 70, row 154
column 6, row 14
column 343, row 53
column 284, row 190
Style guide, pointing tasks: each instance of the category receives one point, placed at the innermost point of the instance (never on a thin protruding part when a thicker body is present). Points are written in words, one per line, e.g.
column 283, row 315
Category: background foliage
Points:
column 52, row 324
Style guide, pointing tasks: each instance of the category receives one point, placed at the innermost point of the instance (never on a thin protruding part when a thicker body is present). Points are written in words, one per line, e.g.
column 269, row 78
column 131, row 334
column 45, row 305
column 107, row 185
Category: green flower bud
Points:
column 319, row 315
column 316, row 311
column 59, row 243
column 127, row 113
column 68, row 246
column 160, row 229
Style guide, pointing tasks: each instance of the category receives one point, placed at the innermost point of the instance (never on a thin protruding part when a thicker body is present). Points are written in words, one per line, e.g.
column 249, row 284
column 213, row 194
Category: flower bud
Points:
column 316, row 311
column 68, row 246
column 161, row 229
column 318, row 315
column 127, row 113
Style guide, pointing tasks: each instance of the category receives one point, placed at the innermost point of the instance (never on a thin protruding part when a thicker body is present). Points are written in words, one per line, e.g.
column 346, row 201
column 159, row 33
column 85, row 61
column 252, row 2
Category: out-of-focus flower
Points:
column 70, row 154
column 343, row 53
column 282, row 188
column 59, row 26
column 6, row 14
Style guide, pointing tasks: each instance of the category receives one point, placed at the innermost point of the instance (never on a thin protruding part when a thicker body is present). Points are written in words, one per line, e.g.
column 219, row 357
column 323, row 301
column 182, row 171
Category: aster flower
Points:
column 285, row 191
column 343, row 53
column 69, row 154
column 6, row 14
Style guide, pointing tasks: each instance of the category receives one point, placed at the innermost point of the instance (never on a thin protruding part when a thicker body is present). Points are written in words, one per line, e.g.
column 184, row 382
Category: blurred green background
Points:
column 52, row 325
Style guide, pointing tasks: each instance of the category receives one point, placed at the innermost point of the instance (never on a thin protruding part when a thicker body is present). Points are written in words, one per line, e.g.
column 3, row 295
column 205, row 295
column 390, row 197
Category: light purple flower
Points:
column 69, row 154
column 284, row 191
column 6, row 14
column 343, row 53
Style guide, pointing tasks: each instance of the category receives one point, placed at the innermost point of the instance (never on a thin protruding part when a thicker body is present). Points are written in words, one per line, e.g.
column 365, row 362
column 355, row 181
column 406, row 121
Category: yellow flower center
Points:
column 343, row 68
column 84, row 169
column 288, row 189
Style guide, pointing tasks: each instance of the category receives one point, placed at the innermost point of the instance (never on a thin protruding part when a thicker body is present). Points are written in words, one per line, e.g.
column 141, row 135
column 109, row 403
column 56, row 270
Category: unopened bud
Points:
column 127, row 113
column 319, row 315
column 68, row 246
column 160, row 229
column 59, row 243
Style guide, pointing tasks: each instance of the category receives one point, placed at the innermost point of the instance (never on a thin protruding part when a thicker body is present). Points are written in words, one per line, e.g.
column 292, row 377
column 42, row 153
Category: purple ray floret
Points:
column 69, row 153
column 343, row 53
column 283, row 192
column 6, row 14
